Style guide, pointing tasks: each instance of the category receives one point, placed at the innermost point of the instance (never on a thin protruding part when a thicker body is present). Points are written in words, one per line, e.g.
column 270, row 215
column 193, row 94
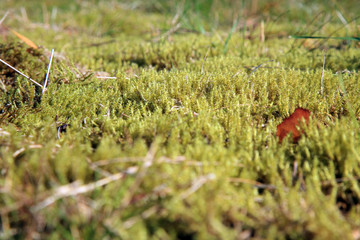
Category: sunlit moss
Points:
column 204, row 119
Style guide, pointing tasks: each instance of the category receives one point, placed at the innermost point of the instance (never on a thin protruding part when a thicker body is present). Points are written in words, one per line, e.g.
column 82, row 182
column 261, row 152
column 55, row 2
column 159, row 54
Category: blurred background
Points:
column 204, row 15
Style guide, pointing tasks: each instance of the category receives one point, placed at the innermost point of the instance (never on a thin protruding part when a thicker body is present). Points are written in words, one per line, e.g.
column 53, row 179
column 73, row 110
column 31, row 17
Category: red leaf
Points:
column 290, row 124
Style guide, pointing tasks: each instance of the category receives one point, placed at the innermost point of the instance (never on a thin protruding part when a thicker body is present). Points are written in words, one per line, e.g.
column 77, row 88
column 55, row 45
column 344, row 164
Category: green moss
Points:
column 191, row 129
column 17, row 91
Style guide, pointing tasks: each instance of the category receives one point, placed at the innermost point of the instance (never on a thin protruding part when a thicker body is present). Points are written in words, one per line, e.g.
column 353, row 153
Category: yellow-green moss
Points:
column 205, row 119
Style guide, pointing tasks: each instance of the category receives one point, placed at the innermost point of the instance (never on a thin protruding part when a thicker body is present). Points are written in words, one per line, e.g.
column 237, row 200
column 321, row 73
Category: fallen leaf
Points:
column 24, row 39
column 290, row 124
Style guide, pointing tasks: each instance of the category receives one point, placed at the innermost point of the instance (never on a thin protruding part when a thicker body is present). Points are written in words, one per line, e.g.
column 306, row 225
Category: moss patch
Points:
column 148, row 131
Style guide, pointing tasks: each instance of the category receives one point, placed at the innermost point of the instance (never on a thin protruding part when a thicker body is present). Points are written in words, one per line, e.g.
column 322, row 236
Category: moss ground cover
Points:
column 159, row 121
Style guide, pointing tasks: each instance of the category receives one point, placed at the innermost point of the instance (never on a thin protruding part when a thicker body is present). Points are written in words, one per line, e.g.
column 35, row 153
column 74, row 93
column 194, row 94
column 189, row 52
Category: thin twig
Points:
column 28, row 78
column 48, row 71
column 322, row 77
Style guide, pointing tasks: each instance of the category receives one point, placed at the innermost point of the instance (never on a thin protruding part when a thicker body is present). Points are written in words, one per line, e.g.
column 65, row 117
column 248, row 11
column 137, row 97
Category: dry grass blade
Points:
column 144, row 215
column 175, row 161
column 3, row 85
column 36, row 83
column 141, row 173
column 168, row 33
column 4, row 133
column 97, row 169
column 48, row 71
column 74, row 189
column 3, row 18
column 197, row 183
column 262, row 31
column 106, row 77
column 21, row 150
